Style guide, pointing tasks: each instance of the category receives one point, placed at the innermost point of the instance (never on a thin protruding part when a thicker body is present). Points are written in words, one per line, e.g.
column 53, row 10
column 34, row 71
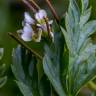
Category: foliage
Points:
column 69, row 60
column 82, row 52
column 52, row 62
column 3, row 78
column 25, row 69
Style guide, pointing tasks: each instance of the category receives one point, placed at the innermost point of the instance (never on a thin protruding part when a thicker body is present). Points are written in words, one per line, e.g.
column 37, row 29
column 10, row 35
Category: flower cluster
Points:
column 33, row 29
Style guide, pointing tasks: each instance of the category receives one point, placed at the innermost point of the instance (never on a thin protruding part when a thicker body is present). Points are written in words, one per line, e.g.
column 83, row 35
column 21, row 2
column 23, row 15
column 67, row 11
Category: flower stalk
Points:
column 34, row 4
column 31, row 6
column 15, row 37
column 52, row 10
column 48, row 27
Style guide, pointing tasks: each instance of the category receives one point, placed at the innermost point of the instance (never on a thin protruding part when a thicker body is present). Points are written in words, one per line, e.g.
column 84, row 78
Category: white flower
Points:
column 41, row 23
column 28, row 19
column 40, row 15
column 27, row 33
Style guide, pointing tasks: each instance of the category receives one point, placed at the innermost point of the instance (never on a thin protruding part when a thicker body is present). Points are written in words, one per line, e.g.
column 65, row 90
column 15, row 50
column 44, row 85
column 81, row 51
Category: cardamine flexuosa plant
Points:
column 67, row 60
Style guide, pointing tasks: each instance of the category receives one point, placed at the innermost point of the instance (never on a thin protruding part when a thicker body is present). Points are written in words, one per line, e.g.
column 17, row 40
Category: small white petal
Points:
column 41, row 14
column 26, row 37
column 27, row 33
column 27, row 28
column 28, row 18
column 50, row 22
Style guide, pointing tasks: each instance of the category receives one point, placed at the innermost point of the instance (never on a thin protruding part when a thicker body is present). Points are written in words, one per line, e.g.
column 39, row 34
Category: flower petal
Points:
column 28, row 19
column 27, row 28
column 40, row 15
column 27, row 33
column 50, row 22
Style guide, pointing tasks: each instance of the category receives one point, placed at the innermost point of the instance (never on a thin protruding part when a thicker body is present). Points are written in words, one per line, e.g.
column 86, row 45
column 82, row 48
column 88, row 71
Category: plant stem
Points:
column 15, row 37
column 52, row 10
column 30, row 6
column 48, row 27
column 92, row 85
column 34, row 4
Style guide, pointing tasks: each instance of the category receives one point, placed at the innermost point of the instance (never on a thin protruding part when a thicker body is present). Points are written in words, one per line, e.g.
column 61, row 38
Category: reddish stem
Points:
column 52, row 10
column 15, row 37
column 48, row 27
column 34, row 4
column 30, row 6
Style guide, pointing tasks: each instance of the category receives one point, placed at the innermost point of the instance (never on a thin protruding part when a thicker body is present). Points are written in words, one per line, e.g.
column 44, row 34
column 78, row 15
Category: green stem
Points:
column 15, row 37
column 92, row 85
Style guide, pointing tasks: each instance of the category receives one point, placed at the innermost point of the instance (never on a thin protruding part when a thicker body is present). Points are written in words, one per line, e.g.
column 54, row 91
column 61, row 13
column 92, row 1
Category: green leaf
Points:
column 44, row 86
column 29, row 74
column 74, row 12
column 82, row 52
column 17, row 68
column 43, row 82
column 3, row 77
column 24, row 89
column 2, row 70
column 85, row 17
column 87, row 30
column 84, row 67
column 67, row 39
column 85, row 4
column 72, row 26
column 3, row 81
column 52, row 62
column 1, row 53
column 25, row 71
